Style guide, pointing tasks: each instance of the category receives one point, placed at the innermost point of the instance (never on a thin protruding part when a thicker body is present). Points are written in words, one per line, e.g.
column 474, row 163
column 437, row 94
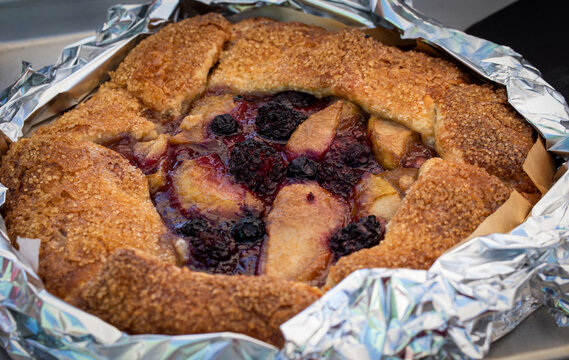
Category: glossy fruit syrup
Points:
column 247, row 145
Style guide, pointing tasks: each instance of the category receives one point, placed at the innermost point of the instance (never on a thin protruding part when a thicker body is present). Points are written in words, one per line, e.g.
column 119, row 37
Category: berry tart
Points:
column 228, row 174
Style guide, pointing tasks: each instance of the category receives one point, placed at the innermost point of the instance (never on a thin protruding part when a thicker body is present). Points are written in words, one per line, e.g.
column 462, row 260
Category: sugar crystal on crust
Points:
column 383, row 80
column 168, row 70
column 445, row 205
column 143, row 295
column 476, row 125
column 111, row 113
column 83, row 201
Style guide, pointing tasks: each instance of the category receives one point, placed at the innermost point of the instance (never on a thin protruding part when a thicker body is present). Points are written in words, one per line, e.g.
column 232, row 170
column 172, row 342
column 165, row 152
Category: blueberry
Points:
column 224, row 125
column 302, row 168
column 248, row 230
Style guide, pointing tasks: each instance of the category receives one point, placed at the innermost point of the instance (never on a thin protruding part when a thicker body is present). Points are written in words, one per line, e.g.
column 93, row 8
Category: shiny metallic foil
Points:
column 471, row 296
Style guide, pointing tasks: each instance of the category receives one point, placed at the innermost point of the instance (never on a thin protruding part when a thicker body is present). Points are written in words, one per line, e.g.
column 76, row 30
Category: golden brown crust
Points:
column 142, row 295
column 168, row 70
column 109, row 114
column 83, row 201
column 443, row 207
column 272, row 57
column 476, row 125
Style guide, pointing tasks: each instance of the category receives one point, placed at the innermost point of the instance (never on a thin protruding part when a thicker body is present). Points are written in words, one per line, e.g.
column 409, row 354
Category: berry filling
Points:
column 257, row 165
column 366, row 233
column 244, row 153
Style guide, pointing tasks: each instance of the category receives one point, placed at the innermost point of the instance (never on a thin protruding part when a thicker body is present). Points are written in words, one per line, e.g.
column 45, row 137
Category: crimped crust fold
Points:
column 141, row 294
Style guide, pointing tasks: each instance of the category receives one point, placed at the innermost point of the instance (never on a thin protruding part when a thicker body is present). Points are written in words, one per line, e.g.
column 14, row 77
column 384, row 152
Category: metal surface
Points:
column 537, row 337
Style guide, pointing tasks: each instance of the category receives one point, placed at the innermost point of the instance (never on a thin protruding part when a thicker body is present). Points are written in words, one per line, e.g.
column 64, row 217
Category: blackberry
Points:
column 248, row 230
column 338, row 178
column 356, row 155
column 364, row 234
column 257, row 165
column 213, row 250
column 224, row 125
column 295, row 99
column 302, row 168
column 276, row 121
column 192, row 227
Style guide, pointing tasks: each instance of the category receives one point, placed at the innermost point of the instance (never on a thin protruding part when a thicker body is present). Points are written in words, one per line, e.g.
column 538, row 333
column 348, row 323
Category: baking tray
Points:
column 34, row 34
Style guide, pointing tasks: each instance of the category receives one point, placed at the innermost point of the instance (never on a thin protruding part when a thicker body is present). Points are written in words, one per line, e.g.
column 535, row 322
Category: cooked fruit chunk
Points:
column 150, row 151
column 203, row 184
column 195, row 125
column 443, row 207
column 401, row 179
column 168, row 70
column 299, row 225
column 351, row 115
column 375, row 196
column 314, row 136
column 390, row 141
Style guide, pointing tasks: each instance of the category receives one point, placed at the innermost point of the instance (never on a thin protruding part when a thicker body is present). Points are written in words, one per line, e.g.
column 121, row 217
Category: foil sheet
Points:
column 471, row 296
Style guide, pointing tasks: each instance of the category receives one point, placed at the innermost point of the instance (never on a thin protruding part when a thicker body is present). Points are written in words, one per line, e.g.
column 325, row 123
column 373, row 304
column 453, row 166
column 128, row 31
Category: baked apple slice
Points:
column 374, row 195
column 202, row 183
column 314, row 136
column 390, row 141
column 297, row 248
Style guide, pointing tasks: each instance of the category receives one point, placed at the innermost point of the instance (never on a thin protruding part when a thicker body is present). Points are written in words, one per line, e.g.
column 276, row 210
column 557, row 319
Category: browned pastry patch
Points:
column 194, row 127
column 272, row 57
column 476, row 125
column 109, row 114
column 443, row 207
column 141, row 295
column 167, row 70
column 83, row 201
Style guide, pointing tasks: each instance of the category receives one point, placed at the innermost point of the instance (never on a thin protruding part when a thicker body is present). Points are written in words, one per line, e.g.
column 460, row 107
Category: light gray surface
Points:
column 36, row 30
column 54, row 24
column 459, row 14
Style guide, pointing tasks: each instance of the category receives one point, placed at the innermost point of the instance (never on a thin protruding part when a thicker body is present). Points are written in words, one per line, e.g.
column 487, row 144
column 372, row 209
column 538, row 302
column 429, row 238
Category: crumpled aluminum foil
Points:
column 472, row 295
